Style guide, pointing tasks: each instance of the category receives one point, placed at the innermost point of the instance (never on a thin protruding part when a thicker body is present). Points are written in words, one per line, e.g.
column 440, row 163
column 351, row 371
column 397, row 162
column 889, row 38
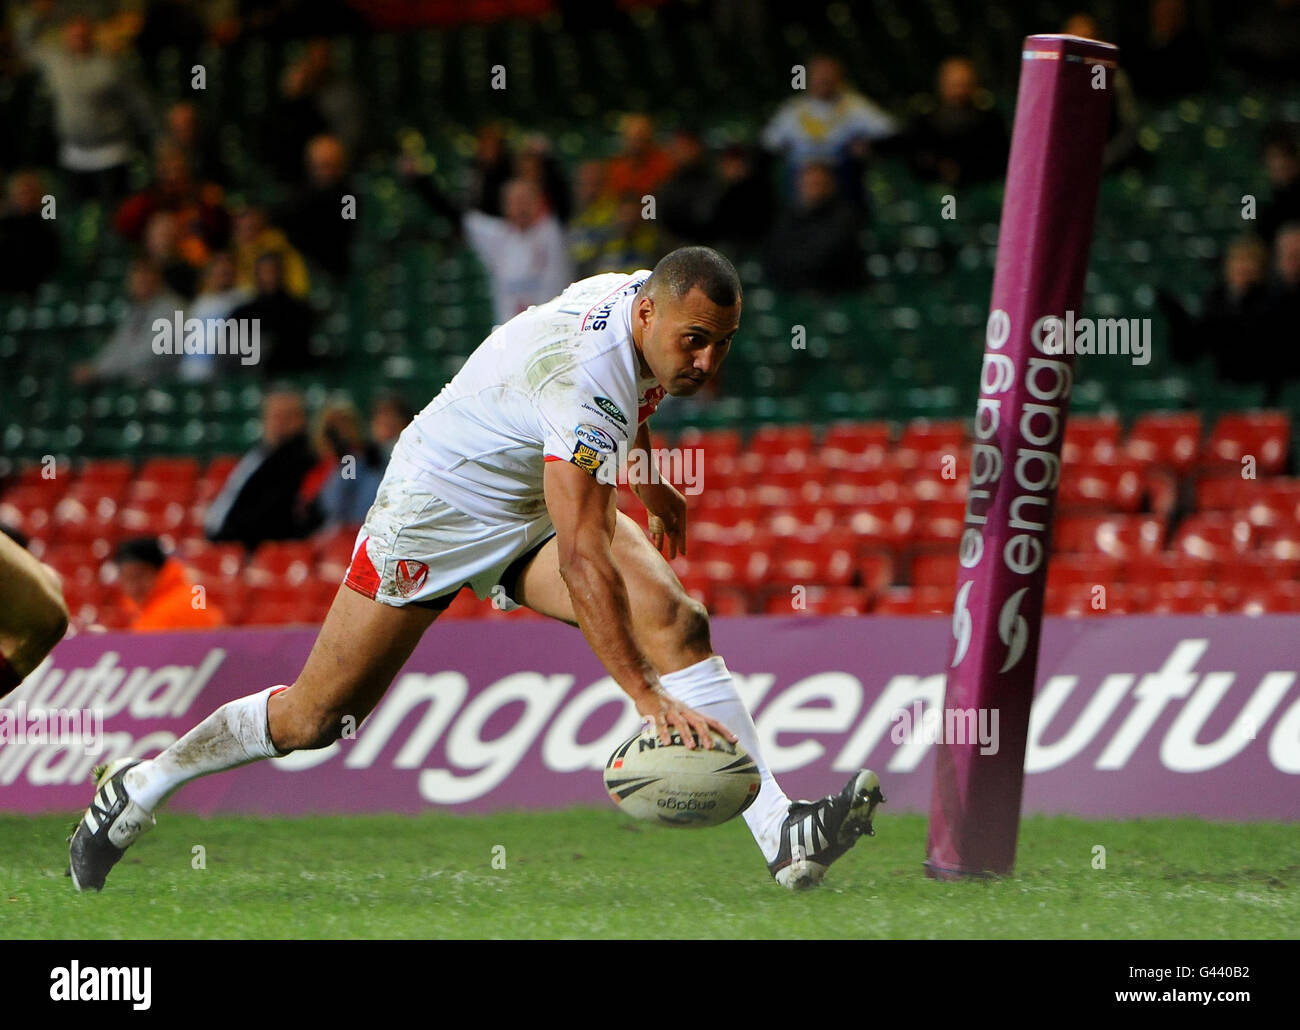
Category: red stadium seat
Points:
column 818, row 600
column 1214, row 536
column 939, row 522
column 935, row 569
column 1263, row 435
column 856, row 445
column 829, row 561
column 924, row 443
column 715, row 443
column 772, row 441
column 209, row 560
column 1118, row 536
column 280, row 562
column 1090, row 439
column 1114, row 486
column 1167, row 438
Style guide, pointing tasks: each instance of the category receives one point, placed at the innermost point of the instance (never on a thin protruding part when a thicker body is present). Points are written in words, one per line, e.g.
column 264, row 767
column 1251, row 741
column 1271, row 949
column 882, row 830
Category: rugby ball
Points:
column 673, row 785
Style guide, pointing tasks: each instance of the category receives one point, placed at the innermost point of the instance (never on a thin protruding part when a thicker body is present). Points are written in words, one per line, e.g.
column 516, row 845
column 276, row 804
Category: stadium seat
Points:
column 855, row 445
column 280, row 563
column 1214, row 536
column 1090, row 439
column 1118, row 536
column 1111, row 486
column 1263, row 435
column 1167, row 438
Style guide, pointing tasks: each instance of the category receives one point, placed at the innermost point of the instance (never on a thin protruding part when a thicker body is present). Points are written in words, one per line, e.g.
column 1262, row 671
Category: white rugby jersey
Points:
column 558, row 382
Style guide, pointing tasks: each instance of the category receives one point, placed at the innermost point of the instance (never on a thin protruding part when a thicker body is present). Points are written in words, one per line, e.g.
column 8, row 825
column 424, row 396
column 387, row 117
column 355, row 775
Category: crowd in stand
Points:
column 793, row 198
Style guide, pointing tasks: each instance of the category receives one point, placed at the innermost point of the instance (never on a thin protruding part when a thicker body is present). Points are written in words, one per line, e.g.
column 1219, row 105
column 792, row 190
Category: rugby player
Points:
column 33, row 615
column 502, row 484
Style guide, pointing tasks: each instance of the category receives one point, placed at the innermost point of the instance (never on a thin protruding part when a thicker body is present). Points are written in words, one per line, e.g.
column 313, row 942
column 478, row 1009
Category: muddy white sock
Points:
column 235, row 734
column 708, row 688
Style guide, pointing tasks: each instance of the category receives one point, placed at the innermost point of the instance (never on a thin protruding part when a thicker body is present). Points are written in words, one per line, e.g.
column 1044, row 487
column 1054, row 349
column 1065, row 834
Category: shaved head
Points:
column 688, row 268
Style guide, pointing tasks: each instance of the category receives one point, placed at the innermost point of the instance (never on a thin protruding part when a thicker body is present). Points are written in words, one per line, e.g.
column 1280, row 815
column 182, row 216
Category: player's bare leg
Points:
column 798, row 841
column 33, row 615
column 359, row 650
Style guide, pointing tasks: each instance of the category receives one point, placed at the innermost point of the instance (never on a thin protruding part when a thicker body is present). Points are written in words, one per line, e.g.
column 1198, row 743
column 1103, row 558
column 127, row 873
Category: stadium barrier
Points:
column 1141, row 716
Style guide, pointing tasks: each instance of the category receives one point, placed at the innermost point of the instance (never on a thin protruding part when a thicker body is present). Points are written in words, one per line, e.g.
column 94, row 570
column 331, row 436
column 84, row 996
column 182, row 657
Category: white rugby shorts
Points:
column 414, row 548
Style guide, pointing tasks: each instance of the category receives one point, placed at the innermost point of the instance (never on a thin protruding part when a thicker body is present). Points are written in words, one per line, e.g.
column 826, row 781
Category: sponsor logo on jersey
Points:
column 587, row 457
column 598, row 317
column 611, row 409
column 595, row 438
column 410, row 576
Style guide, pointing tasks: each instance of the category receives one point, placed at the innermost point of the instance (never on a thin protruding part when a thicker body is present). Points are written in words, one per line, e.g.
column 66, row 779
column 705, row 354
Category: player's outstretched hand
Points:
column 669, row 715
column 667, row 523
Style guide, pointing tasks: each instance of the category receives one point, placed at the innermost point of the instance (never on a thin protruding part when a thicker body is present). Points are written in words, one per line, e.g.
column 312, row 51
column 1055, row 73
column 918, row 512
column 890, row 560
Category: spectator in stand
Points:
column 129, row 353
column 963, row 139
column 336, row 96
column 389, row 415
column 183, row 129
column 259, row 500
column 99, row 109
column 343, row 485
column 632, row 241
column 1172, row 59
column 203, row 224
column 491, row 167
column 688, row 199
column 163, row 246
column 29, row 243
column 817, row 246
column 253, row 237
column 158, row 590
column 524, row 253
column 743, row 215
column 538, row 165
column 284, row 321
column 1238, row 307
column 594, row 219
column 218, row 299
column 1282, row 166
column 1125, row 116
column 1266, row 41
column 314, row 220
column 1284, row 296
column 829, row 123
column 642, row 165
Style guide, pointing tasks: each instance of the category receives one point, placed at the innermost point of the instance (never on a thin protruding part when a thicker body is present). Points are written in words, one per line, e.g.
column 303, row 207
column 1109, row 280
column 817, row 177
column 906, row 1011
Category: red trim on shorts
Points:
column 277, row 690
column 362, row 576
column 552, row 457
column 9, row 677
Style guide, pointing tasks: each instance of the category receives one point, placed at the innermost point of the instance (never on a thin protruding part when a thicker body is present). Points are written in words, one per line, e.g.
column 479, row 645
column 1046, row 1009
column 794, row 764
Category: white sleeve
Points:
column 485, row 234
column 584, row 422
column 870, row 121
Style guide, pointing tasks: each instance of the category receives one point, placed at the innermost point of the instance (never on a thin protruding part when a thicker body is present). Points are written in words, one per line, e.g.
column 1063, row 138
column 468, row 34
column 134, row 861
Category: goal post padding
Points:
column 1053, row 175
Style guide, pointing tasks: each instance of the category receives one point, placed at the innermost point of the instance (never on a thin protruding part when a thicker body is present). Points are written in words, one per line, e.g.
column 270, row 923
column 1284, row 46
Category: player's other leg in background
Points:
column 672, row 628
column 359, row 650
column 33, row 615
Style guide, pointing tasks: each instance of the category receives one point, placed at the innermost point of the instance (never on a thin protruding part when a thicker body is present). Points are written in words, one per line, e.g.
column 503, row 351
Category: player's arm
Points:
column 664, row 502
column 584, row 515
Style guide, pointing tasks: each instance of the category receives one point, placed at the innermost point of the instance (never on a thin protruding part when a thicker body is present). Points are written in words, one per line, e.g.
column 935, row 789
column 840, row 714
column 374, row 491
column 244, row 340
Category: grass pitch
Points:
column 595, row 873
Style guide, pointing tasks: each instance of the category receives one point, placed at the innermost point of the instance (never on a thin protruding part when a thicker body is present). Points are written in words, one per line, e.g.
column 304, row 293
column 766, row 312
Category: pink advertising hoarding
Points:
column 1133, row 716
